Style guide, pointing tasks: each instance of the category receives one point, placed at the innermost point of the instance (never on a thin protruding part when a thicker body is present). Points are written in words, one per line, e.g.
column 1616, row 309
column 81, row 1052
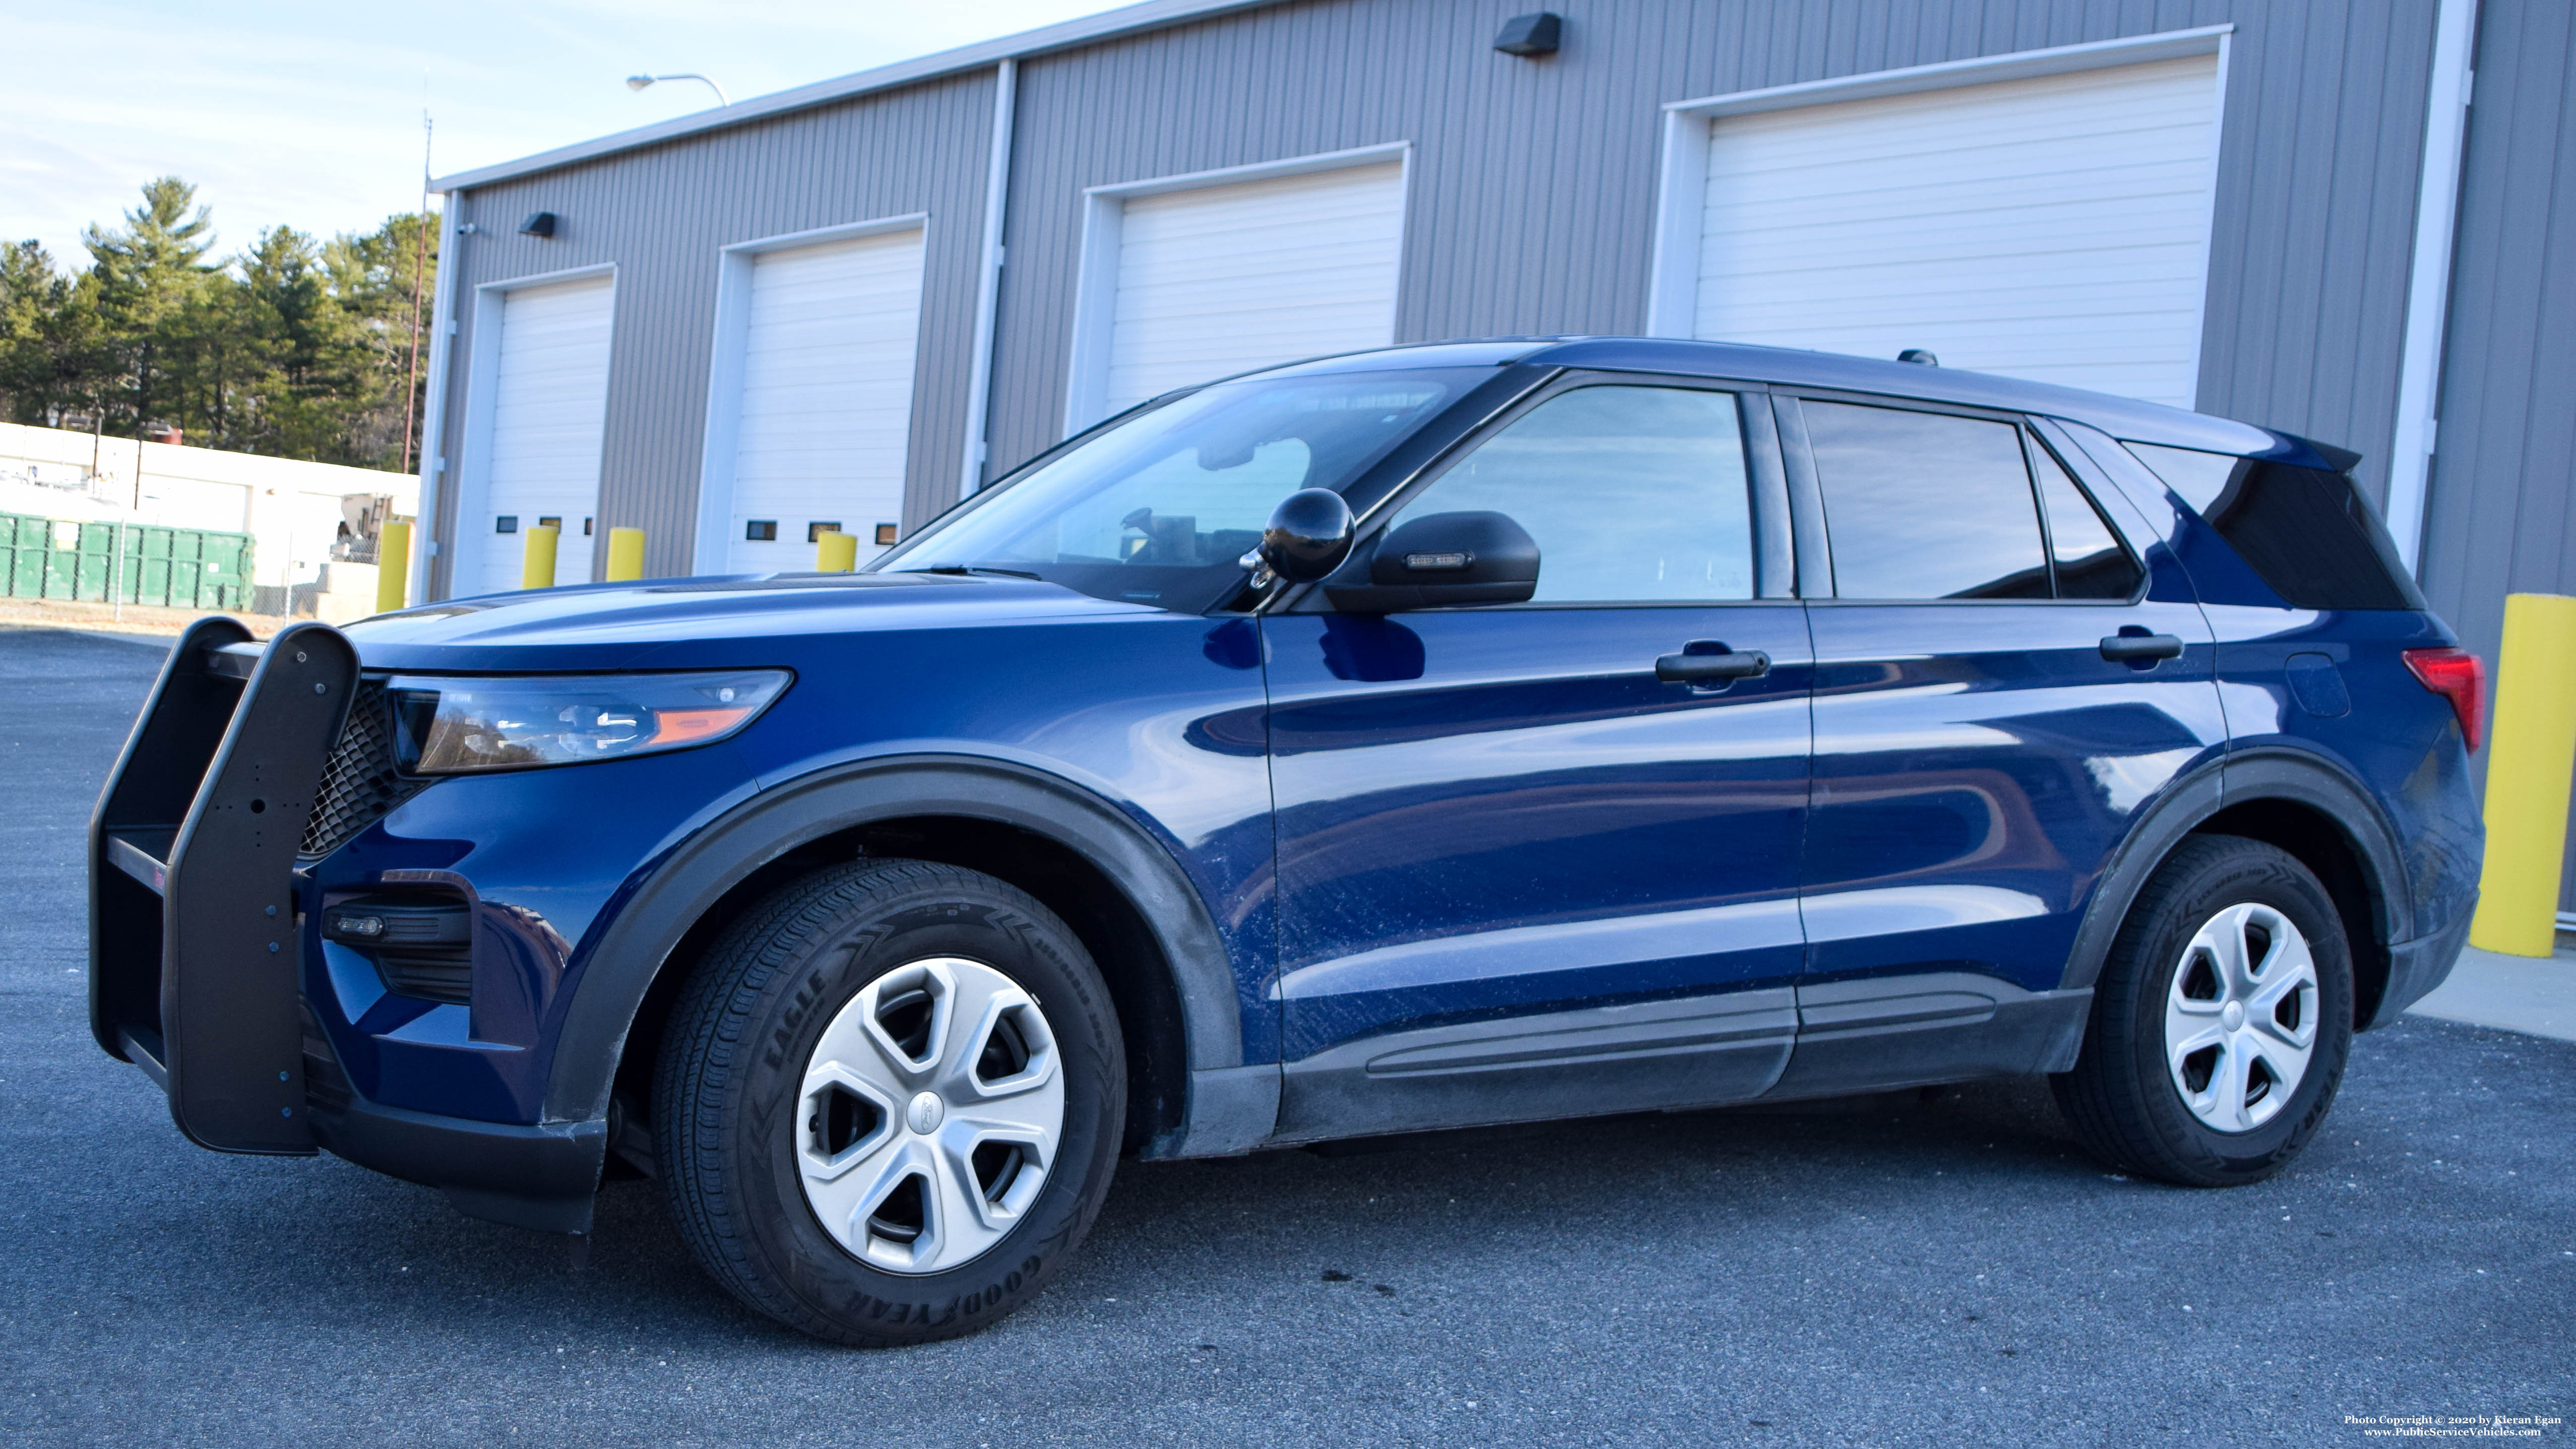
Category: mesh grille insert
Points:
column 359, row 786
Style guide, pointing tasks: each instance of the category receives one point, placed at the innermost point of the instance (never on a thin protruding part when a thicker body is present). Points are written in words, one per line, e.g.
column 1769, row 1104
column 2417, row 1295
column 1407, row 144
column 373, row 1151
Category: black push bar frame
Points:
column 194, row 932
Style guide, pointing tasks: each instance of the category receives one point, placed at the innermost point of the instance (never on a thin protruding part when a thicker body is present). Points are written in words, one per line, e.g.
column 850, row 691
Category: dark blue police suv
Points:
column 1456, row 734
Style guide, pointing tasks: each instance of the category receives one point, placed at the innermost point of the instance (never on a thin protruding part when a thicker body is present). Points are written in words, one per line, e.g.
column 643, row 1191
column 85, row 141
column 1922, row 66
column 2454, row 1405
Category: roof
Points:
column 2121, row 417
column 1126, row 20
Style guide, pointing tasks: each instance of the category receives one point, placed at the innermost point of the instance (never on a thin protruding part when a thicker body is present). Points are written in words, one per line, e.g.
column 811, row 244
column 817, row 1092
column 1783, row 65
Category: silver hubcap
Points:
column 2241, row 1018
column 929, row 1116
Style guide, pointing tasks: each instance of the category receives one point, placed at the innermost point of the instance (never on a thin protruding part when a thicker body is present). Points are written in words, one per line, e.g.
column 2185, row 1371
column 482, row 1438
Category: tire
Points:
column 2191, row 1072
column 790, row 1126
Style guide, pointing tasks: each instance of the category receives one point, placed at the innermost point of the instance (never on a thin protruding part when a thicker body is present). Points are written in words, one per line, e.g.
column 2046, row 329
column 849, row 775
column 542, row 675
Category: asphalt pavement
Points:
column 1899, row 1271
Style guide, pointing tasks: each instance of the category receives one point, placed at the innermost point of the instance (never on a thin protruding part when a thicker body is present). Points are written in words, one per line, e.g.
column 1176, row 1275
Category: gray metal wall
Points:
column 2502, row 515
column 1533, row 190
column 663, row 215
column 1534, row 183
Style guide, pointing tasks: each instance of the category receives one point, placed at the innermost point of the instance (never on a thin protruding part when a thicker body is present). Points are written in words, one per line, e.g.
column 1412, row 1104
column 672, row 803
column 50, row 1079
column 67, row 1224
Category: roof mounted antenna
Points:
column 1921, row 355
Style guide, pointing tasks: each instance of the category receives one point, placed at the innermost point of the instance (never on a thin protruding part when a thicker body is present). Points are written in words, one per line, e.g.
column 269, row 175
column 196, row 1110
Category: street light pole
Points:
column 639, row 82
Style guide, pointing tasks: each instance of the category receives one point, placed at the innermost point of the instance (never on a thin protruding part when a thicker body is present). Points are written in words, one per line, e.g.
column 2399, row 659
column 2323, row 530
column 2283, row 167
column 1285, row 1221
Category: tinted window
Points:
column 1925, row 506
column 2089, row 560
column 1634, row 494
column 2196, row 478
column 2308, row 533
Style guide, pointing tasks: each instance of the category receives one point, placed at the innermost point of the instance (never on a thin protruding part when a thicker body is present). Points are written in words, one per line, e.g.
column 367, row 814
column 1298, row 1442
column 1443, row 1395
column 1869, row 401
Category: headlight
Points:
column 460, row 726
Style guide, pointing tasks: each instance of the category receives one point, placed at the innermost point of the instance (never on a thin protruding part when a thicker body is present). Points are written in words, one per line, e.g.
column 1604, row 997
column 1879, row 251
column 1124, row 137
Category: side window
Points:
column 1925, row 505
column 2197, row 477
column 2086, row 554
column 1634, row 494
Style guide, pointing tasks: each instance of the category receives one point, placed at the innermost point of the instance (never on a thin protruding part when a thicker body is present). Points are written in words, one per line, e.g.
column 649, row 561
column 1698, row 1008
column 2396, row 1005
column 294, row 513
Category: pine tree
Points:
column 148, row 273
column 296, row 347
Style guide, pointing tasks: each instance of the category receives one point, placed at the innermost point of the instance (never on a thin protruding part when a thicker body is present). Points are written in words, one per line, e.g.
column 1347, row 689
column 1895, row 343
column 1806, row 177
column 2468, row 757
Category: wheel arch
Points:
column 1116, row 886
column 2301, row 803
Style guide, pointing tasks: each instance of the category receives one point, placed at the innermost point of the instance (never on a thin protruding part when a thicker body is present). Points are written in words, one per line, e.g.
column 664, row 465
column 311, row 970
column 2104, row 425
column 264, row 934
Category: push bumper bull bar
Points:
column 193, row 926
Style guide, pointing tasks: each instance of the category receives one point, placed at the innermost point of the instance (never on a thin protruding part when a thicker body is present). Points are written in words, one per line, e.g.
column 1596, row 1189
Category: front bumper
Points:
column 540, row 1176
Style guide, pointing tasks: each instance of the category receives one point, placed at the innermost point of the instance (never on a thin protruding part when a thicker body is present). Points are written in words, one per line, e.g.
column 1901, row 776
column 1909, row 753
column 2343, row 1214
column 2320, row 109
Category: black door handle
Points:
column 2140, row 648
column 1732, row 664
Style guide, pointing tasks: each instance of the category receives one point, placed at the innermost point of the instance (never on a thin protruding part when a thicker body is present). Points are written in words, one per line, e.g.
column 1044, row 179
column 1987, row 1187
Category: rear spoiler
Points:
column 193, row 929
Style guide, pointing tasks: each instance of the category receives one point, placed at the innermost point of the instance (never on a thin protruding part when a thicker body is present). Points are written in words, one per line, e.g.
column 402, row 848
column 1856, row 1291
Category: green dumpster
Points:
column 180, row 568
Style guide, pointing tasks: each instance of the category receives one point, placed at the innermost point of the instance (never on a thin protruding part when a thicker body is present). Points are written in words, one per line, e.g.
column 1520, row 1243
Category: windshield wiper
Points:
column 964, row 569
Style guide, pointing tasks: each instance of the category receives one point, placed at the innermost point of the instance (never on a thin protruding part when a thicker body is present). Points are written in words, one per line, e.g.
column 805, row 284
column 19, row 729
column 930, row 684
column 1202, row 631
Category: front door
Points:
column 1520, row 873
column 2000, row 688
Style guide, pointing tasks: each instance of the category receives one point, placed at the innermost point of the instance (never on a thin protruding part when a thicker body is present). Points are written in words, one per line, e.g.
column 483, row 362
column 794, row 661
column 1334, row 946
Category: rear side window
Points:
column 1925, row 505
column 2086, row 554
column 2307, row 533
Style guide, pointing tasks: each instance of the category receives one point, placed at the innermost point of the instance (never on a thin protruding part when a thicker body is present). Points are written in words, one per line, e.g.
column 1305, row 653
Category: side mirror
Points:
column 1443, row 559
column 1308, row 537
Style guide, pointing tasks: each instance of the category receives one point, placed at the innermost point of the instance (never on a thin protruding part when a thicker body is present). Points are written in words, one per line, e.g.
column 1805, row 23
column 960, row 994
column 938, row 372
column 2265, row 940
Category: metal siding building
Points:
column 1539, row 195
column 2502, row 515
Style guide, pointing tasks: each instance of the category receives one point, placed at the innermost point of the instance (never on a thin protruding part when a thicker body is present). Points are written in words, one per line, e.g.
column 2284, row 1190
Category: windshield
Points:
column 1160, row 509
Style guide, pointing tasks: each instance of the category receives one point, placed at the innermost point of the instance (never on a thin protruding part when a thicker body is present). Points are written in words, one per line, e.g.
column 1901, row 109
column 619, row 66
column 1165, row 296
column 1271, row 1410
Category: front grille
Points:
column 359, row 785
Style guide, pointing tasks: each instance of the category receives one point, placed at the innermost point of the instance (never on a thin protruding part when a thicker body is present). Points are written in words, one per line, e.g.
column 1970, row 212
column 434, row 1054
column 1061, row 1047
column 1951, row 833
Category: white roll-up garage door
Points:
column 825, row 414
column 549, row 411
column 2054, row 228
column 1219, row 279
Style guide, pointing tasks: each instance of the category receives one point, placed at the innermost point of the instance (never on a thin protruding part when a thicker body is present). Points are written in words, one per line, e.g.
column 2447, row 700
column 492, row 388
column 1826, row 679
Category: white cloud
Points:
column 306, row 114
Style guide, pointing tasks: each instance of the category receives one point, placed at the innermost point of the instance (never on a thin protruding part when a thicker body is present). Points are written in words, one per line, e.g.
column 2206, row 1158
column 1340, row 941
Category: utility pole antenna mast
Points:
column 419, row 270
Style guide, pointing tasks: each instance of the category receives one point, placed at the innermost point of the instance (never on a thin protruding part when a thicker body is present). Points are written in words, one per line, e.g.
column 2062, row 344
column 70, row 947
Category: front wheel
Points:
column 889, row 1102
column 2221, row 1020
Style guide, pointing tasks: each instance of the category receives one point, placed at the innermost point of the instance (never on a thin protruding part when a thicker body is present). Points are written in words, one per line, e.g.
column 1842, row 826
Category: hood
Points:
column 718, row 622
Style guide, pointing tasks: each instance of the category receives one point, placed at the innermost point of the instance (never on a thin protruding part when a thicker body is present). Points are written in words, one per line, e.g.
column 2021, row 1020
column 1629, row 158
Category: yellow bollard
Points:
column 537, row 570
column 2528, row 772
column 625, row 554
column 393, row 564
column 835, row 552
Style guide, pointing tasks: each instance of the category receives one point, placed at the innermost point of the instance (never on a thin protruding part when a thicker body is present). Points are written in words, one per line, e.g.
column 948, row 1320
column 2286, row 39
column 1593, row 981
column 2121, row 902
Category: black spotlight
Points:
column 541, row 223
column 1531, row 35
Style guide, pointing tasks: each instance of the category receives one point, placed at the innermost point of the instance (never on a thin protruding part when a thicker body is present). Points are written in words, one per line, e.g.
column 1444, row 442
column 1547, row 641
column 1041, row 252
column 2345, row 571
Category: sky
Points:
column 290, row 112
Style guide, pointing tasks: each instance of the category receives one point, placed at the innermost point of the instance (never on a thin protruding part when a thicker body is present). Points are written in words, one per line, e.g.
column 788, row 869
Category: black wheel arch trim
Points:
column 651, row 924
column 2237, row 778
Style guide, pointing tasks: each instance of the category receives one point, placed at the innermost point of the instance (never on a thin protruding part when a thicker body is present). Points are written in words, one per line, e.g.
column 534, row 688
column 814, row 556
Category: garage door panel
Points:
column 822, row 425
column 1222, row 279
column 1338, row 276
column 1895, row 204
column 2120, row 101
column 1939, row 291
column 1854, row 194
column 2052, row 228
column 1972, row 137
column 548, row 415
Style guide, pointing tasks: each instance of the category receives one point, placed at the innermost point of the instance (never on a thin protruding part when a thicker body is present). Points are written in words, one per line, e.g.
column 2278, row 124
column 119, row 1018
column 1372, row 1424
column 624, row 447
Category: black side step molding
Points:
column 193, row 925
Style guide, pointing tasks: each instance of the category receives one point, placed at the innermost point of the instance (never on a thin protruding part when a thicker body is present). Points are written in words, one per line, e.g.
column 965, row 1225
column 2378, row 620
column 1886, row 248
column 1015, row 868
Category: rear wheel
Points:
column 890, row 1101
column 2221, row 1020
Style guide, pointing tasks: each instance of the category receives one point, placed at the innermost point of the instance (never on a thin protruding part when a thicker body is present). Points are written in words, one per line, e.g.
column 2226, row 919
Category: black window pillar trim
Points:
column 1806, row 500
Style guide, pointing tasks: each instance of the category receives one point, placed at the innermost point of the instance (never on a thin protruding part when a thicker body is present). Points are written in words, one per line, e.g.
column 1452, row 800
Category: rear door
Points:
column 1520, row 874
column 2000, row 689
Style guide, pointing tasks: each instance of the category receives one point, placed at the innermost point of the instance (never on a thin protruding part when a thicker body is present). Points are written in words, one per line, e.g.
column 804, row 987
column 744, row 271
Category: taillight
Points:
column 2456, row 675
